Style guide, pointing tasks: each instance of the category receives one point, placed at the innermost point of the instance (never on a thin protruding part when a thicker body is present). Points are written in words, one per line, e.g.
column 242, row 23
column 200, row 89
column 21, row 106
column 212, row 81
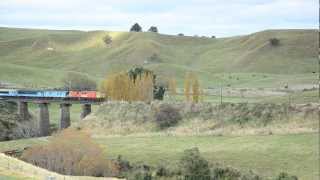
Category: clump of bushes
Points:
column 193, row 165
column 286, row 176
column 71, row 153
column 274, row 41
column 107, row 39
column 167, row 116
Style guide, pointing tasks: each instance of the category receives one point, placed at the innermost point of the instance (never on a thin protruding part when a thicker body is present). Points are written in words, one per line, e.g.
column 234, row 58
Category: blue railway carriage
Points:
column 8, row 92
column 56, row 94
column 43, row 94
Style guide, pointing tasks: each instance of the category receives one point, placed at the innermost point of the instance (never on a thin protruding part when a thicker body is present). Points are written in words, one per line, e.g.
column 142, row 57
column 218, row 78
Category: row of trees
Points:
column 137, row 28
column 192, row 91
column 138, row 84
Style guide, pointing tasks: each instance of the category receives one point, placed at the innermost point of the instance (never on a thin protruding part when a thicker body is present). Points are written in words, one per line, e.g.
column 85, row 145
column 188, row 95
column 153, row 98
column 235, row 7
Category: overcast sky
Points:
column 201, row 17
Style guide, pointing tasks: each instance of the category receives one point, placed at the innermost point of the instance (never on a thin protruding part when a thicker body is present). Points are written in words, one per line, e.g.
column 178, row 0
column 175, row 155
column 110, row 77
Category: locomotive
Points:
column 50, row 94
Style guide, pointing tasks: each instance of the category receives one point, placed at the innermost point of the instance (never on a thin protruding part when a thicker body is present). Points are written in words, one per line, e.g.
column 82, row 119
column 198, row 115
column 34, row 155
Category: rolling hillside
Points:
column 43, row 57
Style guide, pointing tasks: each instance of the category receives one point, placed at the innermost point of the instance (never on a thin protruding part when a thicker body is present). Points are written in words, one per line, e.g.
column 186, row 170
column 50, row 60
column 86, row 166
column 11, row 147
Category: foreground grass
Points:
column 266, row 155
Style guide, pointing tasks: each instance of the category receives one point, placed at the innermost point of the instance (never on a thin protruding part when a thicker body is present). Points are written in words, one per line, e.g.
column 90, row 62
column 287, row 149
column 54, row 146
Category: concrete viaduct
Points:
column 43, row 120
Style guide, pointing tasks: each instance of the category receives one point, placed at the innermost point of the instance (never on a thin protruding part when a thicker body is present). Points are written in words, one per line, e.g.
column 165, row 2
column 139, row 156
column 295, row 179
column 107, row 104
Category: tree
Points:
column 192, row 88
column 172, row 86
column 136, row 28
column 153, row 29
column 77, row 81
column 195, row 89
column 129, row 87
column 187, row 86
column 180, row 34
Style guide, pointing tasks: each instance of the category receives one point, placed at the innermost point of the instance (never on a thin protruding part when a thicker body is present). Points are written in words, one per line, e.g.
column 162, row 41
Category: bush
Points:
column 286, row 176
column 180, row 34
column 193, row 165
column 71, row 153
column 225, row 173
column 154, row 58
column 274, row 41
column 77, row 81
column 167, row 116
column 107, row 39
column 136, row 28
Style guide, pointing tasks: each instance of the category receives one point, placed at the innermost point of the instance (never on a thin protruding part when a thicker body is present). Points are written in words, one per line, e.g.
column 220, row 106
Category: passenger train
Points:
column 50, row 94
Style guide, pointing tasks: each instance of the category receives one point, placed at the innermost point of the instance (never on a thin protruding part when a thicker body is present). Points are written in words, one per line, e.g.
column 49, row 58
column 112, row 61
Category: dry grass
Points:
column 115, row 118
column 17, row 168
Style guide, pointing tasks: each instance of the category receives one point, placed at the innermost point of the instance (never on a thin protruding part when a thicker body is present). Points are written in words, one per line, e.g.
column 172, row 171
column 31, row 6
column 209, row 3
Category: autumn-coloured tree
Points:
column 172, row 86
column 195, row 89
column 187, row 86
column 127, row 87
column 192, row 88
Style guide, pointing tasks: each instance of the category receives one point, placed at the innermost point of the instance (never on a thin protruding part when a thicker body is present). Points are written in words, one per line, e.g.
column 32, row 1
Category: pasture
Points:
column 267, row 155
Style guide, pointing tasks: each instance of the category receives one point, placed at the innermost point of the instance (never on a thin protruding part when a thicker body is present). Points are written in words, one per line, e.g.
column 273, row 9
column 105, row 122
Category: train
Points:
column 50, row 94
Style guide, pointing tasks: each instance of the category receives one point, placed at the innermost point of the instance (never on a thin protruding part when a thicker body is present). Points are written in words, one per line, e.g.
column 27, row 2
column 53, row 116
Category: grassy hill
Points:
column 43, row 57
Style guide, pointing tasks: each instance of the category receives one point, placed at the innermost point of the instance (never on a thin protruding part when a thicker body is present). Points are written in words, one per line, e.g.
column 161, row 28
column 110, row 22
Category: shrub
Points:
column 71, row 153
column 136, row 28
column 123, row 164
column 193, row 165
column 107, row 39
column 213, row 37
column 155, row 58
column 274, row 41
column 180, row 34
column 158, row 92
column 286, row 176
column 225, row 173
column 140, row 172
column 167, row 116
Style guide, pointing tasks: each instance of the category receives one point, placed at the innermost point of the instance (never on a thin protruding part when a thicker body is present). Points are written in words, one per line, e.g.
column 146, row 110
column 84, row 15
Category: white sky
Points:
column 201, row 17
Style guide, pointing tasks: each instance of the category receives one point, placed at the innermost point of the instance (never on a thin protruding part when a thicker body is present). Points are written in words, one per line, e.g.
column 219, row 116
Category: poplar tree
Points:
column 187, row 86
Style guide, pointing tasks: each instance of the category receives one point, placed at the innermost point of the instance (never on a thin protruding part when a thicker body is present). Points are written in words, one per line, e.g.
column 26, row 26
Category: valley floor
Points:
column 296, row 154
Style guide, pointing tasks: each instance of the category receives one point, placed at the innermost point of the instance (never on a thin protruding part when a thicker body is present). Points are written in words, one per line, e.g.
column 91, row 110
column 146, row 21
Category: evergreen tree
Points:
column 136, row 28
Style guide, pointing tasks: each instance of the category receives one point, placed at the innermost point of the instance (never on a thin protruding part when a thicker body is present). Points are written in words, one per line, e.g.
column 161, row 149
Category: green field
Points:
column 40, row 58
column 267, row 155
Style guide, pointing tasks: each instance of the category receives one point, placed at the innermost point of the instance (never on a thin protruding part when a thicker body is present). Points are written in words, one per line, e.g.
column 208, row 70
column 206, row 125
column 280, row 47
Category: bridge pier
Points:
column 23, row 110
column 44, row 123
column 65, row 116
column 86, row 110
